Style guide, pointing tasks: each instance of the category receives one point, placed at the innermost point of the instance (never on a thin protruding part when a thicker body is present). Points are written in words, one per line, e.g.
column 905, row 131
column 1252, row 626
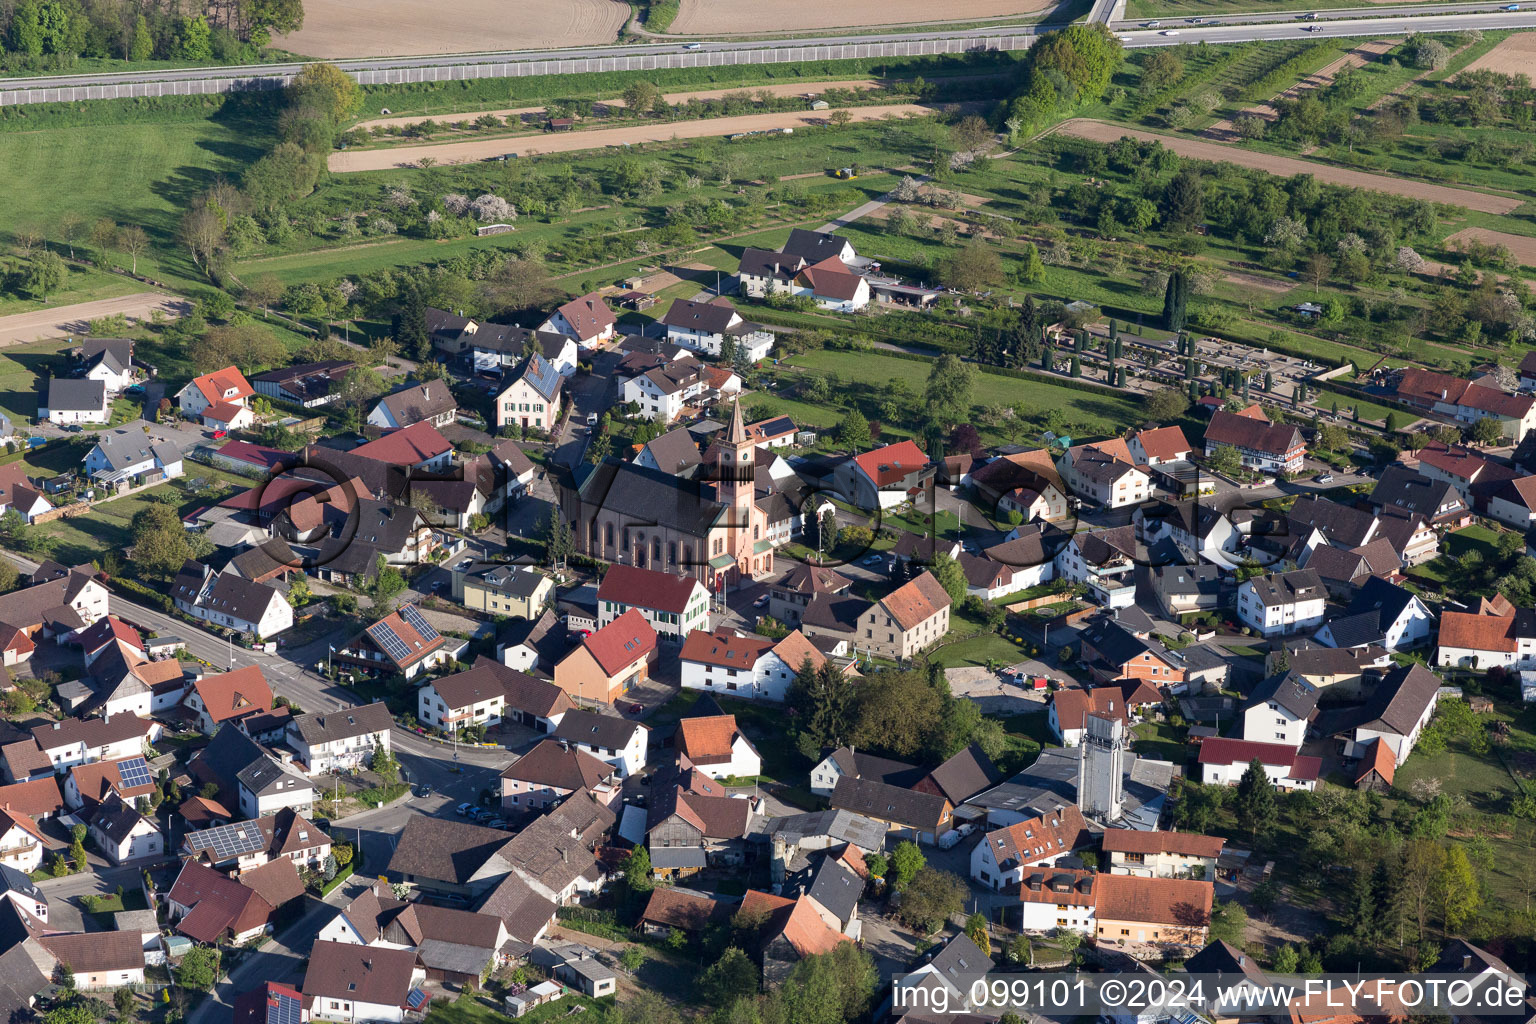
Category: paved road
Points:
column 1361, row 21
column 59, row 320
column 1343, row 14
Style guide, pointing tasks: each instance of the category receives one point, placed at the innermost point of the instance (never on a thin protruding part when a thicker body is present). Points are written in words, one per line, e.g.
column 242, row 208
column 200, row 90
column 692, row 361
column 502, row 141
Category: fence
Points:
column 281, row 75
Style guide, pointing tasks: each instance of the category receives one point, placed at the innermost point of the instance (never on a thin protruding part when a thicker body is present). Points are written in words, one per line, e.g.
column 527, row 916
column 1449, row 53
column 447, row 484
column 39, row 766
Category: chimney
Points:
column 1466, row 961
column 368, row 964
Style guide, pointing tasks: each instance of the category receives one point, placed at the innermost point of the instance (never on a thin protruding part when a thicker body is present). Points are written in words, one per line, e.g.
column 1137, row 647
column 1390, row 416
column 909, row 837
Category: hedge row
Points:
column 1288, row 72
column 1039, row 376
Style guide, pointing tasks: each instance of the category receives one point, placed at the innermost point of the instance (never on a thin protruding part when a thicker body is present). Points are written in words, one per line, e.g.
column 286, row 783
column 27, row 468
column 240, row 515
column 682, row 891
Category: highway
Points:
column 1342, row 14
column 1384, row 21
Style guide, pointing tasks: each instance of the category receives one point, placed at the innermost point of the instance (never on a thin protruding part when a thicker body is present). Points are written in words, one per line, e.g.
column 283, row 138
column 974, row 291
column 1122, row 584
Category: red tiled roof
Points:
column 831, row 279
column 416, row 646
column 1074, row 705
column 621, row 643
column 214, row 385
column 892, row 463
column 1049, row 835
column 40, row 796
column 1479, row 632
column 406, row 446
column 646, row 588
column 218, row 904
column 1163, row 443
column 107, row 629
column 1175, row 901
column 588, row 314
column 256, row 455
column 233, row 694
column 1254, row 434
column 725, row 647
column 15, row 819
column 1220, row 750
column 707, row 740
column 223, row 412
column 916, row 601
column 1188, row 844
column 1381, row 760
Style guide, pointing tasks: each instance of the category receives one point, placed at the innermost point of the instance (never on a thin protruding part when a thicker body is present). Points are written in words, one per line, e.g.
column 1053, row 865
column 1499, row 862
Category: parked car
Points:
column 220, row 433
column 872, row 560
column 760, row 602
column 495, row 823
column 463, row 810
column 1325, row 478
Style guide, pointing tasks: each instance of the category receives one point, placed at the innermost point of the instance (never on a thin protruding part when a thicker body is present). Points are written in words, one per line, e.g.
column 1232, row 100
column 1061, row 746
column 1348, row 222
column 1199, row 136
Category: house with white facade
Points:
column 21, row 843
column 1395, row 713
column 1103, row 560
column 346, row 738
column 216, row 396
column 706, row 327
column 351, row 984
column 122, row 834
column 618, row 741
column 1496, row 635
column 1105, row 473
column 663, row 392
column 1158, row 854
column 1380, row 614
column 586, row 318
column 1282, row 603
column 718, row 748
column 1279, row 709
column 73, row 741
column 1514, row 503
column 743, row 664
column 1223, row 762
column 226, row 599
column 71, row 400
column 130, row 458
column 1157, row 446
column 1006, row 855
column 674, row 605
column 487, row 694
column 430, row 401
column 1261, row 445
column 109, row 360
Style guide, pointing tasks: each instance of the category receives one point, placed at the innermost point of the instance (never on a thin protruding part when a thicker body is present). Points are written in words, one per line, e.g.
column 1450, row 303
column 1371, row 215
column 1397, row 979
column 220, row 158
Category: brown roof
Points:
column 232, row 694
column 96, row 780
column 1188, row 844
column 1074, row 705
column 364, row 974
column 916, row 601
column 23, row 758
column 93, row 732
column 405, row 446
column 93, row 952
column 40, row 796
column 964, row 775
column 449, row 851
column 810, row 579
column 1257, row 435
column 1479, row 632
column 550, row 764
column 903, row 806
column 1049, row 835
column 218, row 905
column 707, row 740
column 795, row 648
column 646, row 588
column 276, row 881
column 679, row 908
column 10, row 819
column 724, row 647
column 1174, row 901
column 1163, row 443
column 588, row 314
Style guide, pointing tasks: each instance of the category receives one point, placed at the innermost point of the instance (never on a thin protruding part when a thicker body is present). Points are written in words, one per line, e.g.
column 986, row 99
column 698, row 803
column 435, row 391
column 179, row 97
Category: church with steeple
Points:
column 710, row 527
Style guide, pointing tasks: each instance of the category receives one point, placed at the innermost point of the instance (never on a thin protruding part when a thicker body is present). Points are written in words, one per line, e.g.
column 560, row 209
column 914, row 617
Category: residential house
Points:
column 18, row 492
column 1223, row 762
column 718, row 748
column 88, row 785
column 691, row 823
column 673, row 605
column 1057, row 900
column 991, row 580
column 606, row 664
column 1503, row 637
column 1345, row 670
column 788, row 596
column 122, row 834
column 1161, row 854
column 225, row 599
column 845, row 761
column 1282, row 603
column 487, row 694
column 664, row 391
column 109, row 360
column 1467, row 401
column 834, row 890
column 906, row 812
column 883, row 477
column 512, row 473
column 745, row 664
column 675, row 452
column 1186, row 589
column 23, row 893
column 950, row 975
column 21, row 842
column 962, row 775
column 1411, row 537
column 791, row 931
column 98, row 960
column 125, row 458
column 70, row 400
column 250, row 777
column 609, row 738
column 416, row 447
column 1004, row 856
column 403, row 641
column 1038, row 502
column 428, row 402
column 1030, row 551
column 1312, row 521
column 578, row 967
column 210, row 907
column 706, row 326
column 1130, row 909
column 219, row 697
column 1105, row 473
column 244, row 846
column 774, row 432
column 310, row 385
column 1199, row 529
column 1104, row 561
column 1345, row 570
column 1113, row 651
column 1262, row 445
column 586, row 318
column 123, row 681
column 552, row 771
column 351, row 984
column 1380, row 614
column 1475, row 476
column 1157, row 446
column 684, row 910
column 1437, row 501
column 531, row 396
column 1396, row 713
column 499, row 588
column 448, row 857
column 346, row 738
column 489, row 347
column 1279, row 709
column 1514, row 503
column 350, row 548
column 1033, row 471
column 217, row 397
column 81, row 740
column 899, row 625
column 529, row 644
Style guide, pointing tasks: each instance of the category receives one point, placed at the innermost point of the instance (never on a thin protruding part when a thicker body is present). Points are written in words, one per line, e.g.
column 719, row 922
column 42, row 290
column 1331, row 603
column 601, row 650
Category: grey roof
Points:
column 767, row 263
column 544, row 635
column 124, row 448
column 960, row 962
column 14, row 880
column 1102, row 546
column 650, row 496
column 1401, row 487
column 1381, row 598
column 1402, row 696
column 1358, row 630
column 1196, row 517
column 521, row 909
column 1344, row 565
column 813, row 246
column 445, row 850
column 115, row 819
column 882, row 769
column 1100, row 466
column 1287, row 587
column 675, row 451
column 844, row 826
column 839, row 612
column 1036, row 544
column 594, row 729
column 513, row 580
column 679, row 857
column 238, row 597
column 1340, row 524
column 328, row 726
column 419, row 402
column 269, row 775
column 116, row 353
column 73, row 395
column 1116, row 644
column 922, row 811
column 454, row 957
column 1291, row 692
column 1187, row 579
column 228, row 754
column 308, row 381
column 712, row 317
column 1222, row 958
column 830, row 883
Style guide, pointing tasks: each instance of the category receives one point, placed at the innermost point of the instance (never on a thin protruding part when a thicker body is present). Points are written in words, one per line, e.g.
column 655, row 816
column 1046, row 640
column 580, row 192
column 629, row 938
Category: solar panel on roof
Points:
column 415, row 999
column 229, row 841
column 135, row 772
column 414, row 619
column 387, row 639
column 284, row 1010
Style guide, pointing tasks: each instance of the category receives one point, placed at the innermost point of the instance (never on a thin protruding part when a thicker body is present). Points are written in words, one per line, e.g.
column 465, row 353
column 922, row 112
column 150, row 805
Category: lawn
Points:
column 1086, row 413
column 482, row 1008
column 978, row 650
column 81, row 284
column 20, row 368
column 1160, row 740
column 1452, row 547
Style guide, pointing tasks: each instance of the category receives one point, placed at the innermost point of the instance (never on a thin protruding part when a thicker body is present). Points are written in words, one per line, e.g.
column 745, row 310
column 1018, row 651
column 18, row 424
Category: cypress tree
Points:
column 1175, row 301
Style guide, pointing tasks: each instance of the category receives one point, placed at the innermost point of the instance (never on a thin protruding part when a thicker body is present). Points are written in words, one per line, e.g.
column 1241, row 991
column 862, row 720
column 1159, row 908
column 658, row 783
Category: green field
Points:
column 1086, row 413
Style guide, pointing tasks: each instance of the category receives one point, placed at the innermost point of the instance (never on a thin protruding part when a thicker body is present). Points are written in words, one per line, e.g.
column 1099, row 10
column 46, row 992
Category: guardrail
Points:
column 216, row 83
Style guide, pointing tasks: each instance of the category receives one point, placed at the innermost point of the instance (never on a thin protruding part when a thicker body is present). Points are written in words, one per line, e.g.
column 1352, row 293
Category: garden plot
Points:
column 396, row 28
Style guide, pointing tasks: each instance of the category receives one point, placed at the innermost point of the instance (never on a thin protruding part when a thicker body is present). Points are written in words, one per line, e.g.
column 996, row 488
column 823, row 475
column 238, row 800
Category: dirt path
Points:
column 1358, row 57
column 62, row 320
column 777, row 89
column 1198, row 149
column 568, row 142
